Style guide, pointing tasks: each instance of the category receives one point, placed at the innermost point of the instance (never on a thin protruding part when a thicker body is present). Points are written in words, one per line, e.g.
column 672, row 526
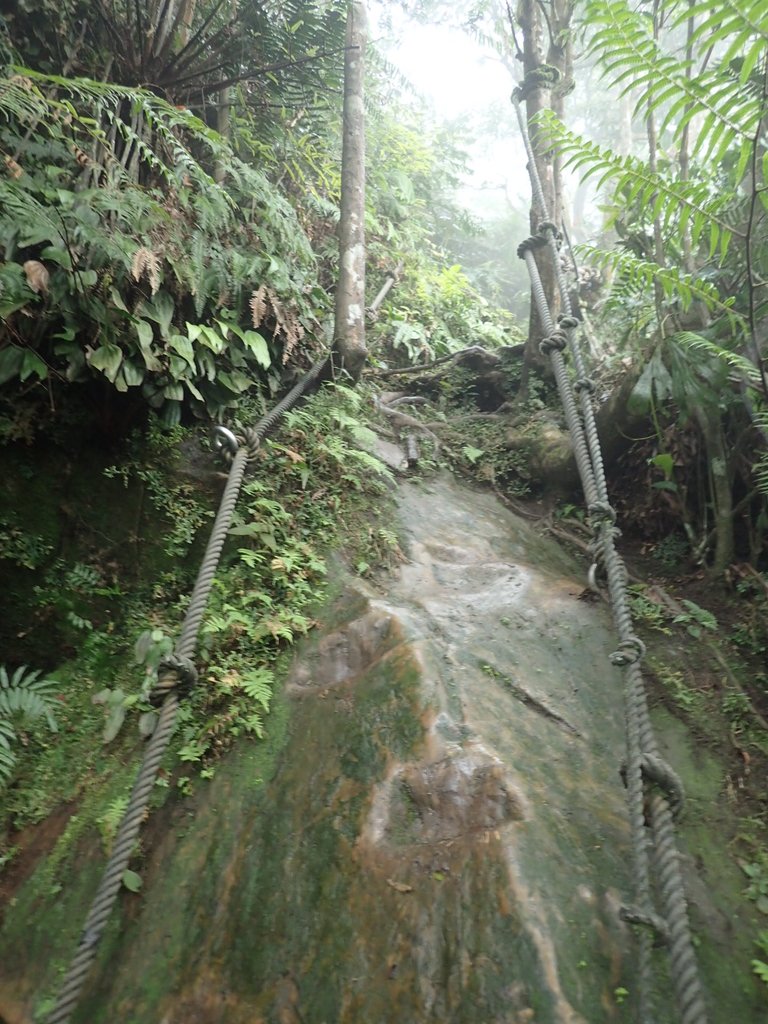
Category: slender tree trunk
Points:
column 544, row 28
column 223, row 127
column 720, row 489
column 349, row 333
column 653, row 150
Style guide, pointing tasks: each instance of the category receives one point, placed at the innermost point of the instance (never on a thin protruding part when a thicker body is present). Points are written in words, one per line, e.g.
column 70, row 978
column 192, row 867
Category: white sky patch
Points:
column 459, row 78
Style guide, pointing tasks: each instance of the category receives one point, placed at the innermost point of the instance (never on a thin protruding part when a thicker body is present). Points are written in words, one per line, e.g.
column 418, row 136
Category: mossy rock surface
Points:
column 434, row 830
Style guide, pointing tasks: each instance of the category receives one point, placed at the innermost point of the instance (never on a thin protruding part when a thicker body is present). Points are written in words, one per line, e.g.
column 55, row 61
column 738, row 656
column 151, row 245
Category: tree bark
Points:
column 532, row 16
column 720, row 489
column 349, row 333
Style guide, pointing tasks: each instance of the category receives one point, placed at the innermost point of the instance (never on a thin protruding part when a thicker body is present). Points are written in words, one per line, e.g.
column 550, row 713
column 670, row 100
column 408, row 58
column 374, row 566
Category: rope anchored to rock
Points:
column 177, row 676
column 651, row 812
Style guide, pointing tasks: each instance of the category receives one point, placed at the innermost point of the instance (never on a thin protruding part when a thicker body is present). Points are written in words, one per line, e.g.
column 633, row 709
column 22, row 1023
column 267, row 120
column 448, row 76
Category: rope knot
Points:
column 568, row 322
column 173, row 671
column 556, row 342
column 253, row 440
column 584, row 384
column 547, row 227
column 534, row 242
column 628, row 652
column 601, row 512
column 656, row 769
column 648, row 919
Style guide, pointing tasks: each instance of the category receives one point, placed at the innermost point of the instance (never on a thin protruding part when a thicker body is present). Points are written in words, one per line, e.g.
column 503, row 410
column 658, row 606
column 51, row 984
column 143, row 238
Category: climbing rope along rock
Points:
column 177, row 672
column 654, row 849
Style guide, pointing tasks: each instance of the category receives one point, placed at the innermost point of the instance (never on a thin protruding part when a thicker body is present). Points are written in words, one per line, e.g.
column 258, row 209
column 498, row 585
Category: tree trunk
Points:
column 223, row 127
column 349, row 334
column 557, row 50
column 720, row 488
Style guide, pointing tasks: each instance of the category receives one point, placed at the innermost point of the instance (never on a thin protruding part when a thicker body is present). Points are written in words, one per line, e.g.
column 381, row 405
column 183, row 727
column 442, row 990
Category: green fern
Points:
column 27, row 699
column 679, row 204
column 674, row 282
column 726, row 113
column 738, row 362
column 258, row 685
column 761, row 466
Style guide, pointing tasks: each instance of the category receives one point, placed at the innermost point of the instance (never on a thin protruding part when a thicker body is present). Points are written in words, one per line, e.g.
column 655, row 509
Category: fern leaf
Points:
column 675, row 284
column 258, row 685
column 733, row 359
column 634, row 61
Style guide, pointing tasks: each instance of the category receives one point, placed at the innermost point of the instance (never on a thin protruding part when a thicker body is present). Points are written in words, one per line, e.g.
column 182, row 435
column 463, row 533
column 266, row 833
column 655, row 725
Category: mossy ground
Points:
column 104, row 546
column 51, row 880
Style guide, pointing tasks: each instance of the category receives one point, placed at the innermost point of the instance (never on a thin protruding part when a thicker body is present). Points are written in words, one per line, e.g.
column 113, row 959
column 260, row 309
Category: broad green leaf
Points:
column 665, row 463
column 117, row 300
column 131, row 880
column 257, row 346
column 32, row 363
column 132, row 374
column 206, row 364
column 212, row 339
column 170, row 414
column 55, row 255
column 173, row 392
column 144, row 332
column 183, row 347
column 11, row 358
column 160, row 309
column 235, row 381
column 108, row 359
column 193, row 390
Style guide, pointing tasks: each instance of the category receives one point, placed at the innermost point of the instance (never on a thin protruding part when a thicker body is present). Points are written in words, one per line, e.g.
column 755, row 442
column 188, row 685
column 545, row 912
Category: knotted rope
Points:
column 643, row 766
column 176, row 672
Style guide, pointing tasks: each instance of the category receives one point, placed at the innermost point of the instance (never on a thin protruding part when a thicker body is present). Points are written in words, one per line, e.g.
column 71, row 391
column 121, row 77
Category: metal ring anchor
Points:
column 224, row 440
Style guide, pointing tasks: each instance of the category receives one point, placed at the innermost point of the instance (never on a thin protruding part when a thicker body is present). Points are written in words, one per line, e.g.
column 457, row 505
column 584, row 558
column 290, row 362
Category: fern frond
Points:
column 633, row 60
column 7, row 735
column 732, row 359
column 682, row 204
column 761, row 466
column 675, row 284
column 742, row 24
column 258, row 685
column 26, row 696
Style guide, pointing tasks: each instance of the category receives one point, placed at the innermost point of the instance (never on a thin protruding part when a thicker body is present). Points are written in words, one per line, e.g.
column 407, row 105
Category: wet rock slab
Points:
column 444, row 838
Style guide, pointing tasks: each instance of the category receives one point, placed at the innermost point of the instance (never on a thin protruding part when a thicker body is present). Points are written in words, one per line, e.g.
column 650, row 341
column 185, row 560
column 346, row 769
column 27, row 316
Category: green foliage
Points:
column 677, row 203
column 412, row 219
column 307, row 488
column 688, row 270
column 153, row 459
column 756, row 870
column 131, row 881
column 142, row 250
column 760, row 967
column 109, row 821
column 20, row 546
column 445, row 314
column 717, row 96
column 25, row 700
column 275, row 54
column 695, row 618
column 646, row 610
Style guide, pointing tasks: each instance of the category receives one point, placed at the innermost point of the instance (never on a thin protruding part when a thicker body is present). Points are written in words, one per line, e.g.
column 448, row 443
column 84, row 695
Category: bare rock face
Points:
column 458, row 797
column 439, row 836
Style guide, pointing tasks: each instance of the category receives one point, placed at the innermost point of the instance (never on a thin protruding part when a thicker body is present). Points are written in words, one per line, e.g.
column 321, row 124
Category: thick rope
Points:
column 176, row 670
column 644, row 765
